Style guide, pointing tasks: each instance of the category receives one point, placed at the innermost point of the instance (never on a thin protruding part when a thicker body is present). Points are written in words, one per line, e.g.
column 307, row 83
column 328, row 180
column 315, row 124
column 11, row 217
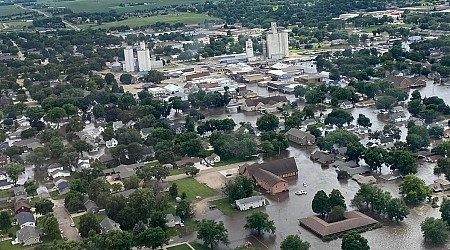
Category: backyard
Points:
column 99, row 218
column 193, row 188
column 224, row 206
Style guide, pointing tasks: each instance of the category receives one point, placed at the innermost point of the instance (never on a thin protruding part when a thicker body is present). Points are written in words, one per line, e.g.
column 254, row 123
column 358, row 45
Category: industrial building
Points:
column 277, row 42
column 129, row 59
column 143, row 57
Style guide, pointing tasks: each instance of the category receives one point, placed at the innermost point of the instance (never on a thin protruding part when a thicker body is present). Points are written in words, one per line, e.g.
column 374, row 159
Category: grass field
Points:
column 9, row 10
column 224, row 206
column 57, row 196
column 6, row 244
column 180, row 247
column 186, row 18
column 195, row 245
column 108, row 5
column 193, row 188
column 235, row 160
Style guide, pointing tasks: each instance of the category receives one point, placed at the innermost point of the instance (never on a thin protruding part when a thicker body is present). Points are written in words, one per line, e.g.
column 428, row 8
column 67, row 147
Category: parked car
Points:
column 301, row 192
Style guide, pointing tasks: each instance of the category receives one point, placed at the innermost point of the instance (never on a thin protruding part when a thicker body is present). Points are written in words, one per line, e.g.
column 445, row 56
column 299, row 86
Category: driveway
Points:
column 64, row 220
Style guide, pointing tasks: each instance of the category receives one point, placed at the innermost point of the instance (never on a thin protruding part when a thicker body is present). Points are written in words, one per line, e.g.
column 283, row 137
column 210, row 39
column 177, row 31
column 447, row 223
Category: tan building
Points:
column 269, row 104
column 302, row 138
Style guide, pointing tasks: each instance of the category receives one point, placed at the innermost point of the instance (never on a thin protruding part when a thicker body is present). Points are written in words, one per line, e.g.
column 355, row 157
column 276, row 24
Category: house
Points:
column 22, row 205
column 83, row 163
column 111, row 143
column 172, row 221
column 269, row 104
column 403, row 82
column 323, row 158
column 346, row 105
column 397, row 117
column 25, row 219
column 91, row 206
column 60, row 173
column 148, row 152
column 5, row 184
column 3, row 159
column 212, row 159
column 145, row 132
column 445, row 184
column 270, row 175
column 302, row 138
column 28, row 235
column 125, row 193
column 250, row 203
column 108, row 225
column 62, row 185
column 189, row 161
column 53, row 167
column 122, row 172
column 117, row 125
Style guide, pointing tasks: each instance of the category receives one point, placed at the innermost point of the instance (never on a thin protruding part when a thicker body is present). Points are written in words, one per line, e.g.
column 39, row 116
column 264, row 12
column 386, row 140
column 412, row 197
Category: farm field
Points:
column 108, row 5
column 10, row 10
column 186, row 18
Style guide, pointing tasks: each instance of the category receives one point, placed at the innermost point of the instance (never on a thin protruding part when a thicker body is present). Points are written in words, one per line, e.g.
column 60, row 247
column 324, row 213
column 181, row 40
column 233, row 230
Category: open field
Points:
column 193, row 188
column 108, row 5
column 224, row 206
column 186, row 18
column 9, row 10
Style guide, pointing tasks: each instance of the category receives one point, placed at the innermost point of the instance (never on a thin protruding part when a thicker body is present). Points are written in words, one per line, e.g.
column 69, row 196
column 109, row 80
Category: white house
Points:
column 172, row 221
column 5, row 184
column 214, row 158
column 117, row 125
column 83, row 163
column 250, row 203
column 111, row 143
column 53, row 167
column 60, row 173
column 172, row 88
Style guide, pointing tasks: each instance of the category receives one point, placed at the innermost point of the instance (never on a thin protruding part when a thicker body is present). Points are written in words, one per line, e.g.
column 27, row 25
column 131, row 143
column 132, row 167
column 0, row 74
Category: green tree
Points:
column 293, row 242
column 35, row 113
column 363, row 121
column 110, row 78
column 321, row 204
column 375, row 157
column 354, row 241
column 5, row 220
column 336, row 199
column 50, row 226
column 70, row 109
column 402, row 160
column 415, row 107
column 212, row 233
column 299, row 91
column 338, row 117
column 386, row 102
column 132, row 182
column 153, row 238
column 436, row 132
column 267, row 122
column 183, row 209
column 173, row 190
column 126, row 78
column 414, row 190
column 445, row 210
column 355, row 150
column 73, row 201
column 434, row 230
column 241, row 187
column 192, row 171
column 88, row 222
column 44, row 207
column 56, row 114
column 259, row 221
column 336, row 214
column 397, row 210
column 14, row 170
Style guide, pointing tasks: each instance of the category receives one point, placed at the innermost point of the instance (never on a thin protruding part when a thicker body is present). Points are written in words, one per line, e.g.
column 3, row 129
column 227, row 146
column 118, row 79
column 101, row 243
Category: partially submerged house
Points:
column 271, row 175
column 250, row 202
column 302, row 138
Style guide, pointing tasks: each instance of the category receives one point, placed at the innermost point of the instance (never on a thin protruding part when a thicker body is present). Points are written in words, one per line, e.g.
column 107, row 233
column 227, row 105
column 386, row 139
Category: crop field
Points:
column 186, row 18
column 9, row 10
column 108, row 5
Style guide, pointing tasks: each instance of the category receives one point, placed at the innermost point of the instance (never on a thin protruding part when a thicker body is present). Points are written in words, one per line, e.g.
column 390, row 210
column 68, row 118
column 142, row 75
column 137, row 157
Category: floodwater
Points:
column 285, row 209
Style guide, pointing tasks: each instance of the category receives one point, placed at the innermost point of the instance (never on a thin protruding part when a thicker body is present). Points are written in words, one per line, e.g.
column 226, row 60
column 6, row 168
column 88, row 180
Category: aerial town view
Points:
column 224, row 124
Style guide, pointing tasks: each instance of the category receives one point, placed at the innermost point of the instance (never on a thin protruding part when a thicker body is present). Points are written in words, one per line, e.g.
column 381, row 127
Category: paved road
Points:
column 209, row 170
column 64, row 221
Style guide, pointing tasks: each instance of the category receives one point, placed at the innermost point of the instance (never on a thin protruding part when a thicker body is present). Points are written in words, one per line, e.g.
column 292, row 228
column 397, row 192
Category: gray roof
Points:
column 90, row 204
column 63, row 185
column 125, row 193
column 109, row 225
column 24, row 217
column 20, row 190
column 250, row 199
column 27, row 233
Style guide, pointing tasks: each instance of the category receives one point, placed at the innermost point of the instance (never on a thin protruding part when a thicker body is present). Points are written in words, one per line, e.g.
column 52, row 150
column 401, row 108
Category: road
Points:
column 210, row 170
column 47, row 15
column 64, row 221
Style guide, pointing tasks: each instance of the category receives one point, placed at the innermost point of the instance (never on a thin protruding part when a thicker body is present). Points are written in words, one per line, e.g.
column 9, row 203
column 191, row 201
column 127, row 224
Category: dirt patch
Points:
column 213, row 180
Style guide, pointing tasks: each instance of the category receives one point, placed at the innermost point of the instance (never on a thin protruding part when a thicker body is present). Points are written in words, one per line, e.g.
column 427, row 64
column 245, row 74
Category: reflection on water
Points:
column 285, row 209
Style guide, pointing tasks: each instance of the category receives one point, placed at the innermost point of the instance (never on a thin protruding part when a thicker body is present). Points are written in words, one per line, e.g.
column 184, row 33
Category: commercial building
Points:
column 277, row 42
column 249, row 48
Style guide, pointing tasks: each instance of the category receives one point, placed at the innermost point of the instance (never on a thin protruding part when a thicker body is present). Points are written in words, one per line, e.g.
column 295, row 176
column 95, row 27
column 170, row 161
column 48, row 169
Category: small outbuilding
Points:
column 250, row 203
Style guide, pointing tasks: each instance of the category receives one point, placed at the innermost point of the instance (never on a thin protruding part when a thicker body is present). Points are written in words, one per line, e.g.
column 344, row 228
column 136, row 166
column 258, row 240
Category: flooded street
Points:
column 285, row 209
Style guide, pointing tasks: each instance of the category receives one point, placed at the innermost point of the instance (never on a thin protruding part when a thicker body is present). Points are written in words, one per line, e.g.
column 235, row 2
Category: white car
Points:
column 301, row 192
column 304, row 184
column 181, row 224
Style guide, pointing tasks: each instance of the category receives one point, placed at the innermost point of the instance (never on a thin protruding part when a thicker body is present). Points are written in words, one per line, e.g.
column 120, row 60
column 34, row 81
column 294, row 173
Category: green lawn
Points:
column 235, row 160
column 5, row 193
column 199, row 246
column 180, row 247
column 108, row 5
column 186, row 18
column 57, row 196
column 224, row 206
column 99, row 218
column 12, row 230
column 6, row 244
column 34, row 200
column 193, row 188
column 177, row 171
